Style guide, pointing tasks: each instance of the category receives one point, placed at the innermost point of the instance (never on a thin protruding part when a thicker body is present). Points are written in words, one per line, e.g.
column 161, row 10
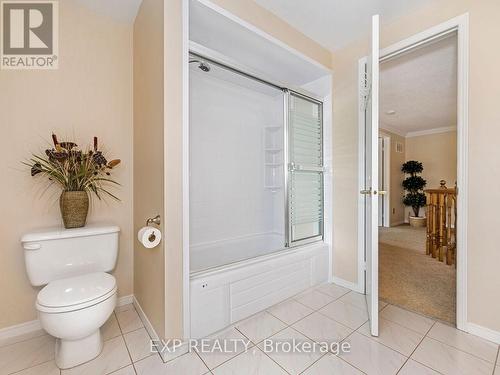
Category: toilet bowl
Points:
column 73, row 310
column 78, row 294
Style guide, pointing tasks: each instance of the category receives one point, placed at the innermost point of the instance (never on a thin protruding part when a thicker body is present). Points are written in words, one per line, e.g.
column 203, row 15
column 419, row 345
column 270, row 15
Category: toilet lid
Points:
column 76, row 290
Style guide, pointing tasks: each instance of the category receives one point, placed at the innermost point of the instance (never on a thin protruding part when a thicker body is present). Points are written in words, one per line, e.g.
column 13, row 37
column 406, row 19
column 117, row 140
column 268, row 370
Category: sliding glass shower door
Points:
column 237, row 186
column 305, row 170
column 256, row 166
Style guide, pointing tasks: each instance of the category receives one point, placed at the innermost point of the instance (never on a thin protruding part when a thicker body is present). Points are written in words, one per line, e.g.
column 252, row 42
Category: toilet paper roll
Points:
column 149, row 237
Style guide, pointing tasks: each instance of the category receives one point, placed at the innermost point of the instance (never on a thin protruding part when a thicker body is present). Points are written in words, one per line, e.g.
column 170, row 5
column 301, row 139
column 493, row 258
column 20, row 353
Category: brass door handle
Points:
column 382, row 192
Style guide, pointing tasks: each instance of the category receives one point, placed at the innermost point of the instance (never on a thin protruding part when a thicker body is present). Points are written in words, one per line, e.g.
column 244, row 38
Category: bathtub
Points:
column 253, row 281
column 221, row 253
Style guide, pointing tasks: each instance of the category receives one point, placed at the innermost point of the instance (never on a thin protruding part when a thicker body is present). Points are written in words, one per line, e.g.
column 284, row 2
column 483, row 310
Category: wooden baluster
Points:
column 433, row 224
column 442, row 226
column 441, row 233
column 428, row 214
column 449, row 241
column 455, row 230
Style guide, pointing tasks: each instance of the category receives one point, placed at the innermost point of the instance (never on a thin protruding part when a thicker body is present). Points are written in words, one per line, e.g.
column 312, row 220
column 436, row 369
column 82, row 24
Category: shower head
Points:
column 201, row 64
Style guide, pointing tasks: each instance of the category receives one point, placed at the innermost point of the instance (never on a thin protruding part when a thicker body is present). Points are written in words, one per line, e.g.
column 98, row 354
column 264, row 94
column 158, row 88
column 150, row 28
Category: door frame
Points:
column 386, row 161
column 460, row 26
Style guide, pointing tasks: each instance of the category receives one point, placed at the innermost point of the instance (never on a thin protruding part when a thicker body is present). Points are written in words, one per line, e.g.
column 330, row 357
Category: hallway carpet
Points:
column 411, row 279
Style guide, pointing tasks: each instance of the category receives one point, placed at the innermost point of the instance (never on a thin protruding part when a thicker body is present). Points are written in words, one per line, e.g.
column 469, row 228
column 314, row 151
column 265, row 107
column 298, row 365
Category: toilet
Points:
column 78, row 294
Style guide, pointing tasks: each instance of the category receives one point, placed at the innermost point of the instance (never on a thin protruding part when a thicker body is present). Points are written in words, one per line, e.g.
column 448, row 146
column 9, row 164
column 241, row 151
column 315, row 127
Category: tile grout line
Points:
column 201, row 359
column 496, row 361
column 458, row 349
column 27, row 368
column 314, row 362
column 123, row 338
column 416, row 347
column 448, row 345
column 290, row 326
column 411, row 329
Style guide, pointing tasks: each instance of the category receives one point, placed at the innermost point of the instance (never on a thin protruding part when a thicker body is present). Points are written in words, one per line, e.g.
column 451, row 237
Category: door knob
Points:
column 366, row 191
column 382, row 192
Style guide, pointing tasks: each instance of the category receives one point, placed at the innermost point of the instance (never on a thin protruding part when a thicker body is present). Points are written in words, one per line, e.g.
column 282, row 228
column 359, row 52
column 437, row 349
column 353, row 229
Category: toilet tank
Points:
column 56, row 253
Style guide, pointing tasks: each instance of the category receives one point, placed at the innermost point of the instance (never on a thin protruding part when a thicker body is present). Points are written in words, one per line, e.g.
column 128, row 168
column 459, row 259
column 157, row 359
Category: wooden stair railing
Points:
column 441, row 214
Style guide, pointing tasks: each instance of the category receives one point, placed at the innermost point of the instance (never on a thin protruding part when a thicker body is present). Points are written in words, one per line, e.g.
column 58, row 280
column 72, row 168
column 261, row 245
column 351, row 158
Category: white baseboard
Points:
column 396, row 223
column 483, row 332
column 34, row 325
column 147, row 324
column 22, row 329
column 125, row 300
column 348, row 284
column 165, row 355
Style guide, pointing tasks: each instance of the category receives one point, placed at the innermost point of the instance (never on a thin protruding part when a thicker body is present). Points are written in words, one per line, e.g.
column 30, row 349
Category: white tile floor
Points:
column 409, row 344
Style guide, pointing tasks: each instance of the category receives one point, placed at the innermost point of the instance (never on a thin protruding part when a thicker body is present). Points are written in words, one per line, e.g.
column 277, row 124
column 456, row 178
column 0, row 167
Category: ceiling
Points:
column 120, row 10
column 336, row 23
column 421, row 86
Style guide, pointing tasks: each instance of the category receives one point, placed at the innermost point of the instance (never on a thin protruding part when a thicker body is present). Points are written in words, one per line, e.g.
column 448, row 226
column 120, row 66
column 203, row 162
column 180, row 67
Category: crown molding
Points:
column 393, row 130
column 431, row 131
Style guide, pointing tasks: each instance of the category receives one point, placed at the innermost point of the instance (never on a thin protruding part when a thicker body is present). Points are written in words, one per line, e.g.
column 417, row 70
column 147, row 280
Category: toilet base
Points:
column 71, row 353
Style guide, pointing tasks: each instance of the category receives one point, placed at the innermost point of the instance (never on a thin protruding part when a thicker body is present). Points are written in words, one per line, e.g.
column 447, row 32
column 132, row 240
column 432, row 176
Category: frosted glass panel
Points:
column 306, row 132
column 306, row 170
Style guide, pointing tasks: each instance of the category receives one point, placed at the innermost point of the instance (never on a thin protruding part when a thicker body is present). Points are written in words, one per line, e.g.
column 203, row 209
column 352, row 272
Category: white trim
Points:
column 361, row 178
column 185, row 172
column 459, row 24
column 386, row 139
column 35, row 325
column 357, row 287
column 125, row 300
column 256, row 30
column 417, row 133
column 462, row 166
column 165, row 355
column 391, row 129
column 485, row 333
column 431, row 131
column 20, row 329
column 396, row 223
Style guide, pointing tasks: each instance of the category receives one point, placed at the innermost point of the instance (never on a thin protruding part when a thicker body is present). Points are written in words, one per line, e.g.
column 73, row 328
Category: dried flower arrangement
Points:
column 78, row 174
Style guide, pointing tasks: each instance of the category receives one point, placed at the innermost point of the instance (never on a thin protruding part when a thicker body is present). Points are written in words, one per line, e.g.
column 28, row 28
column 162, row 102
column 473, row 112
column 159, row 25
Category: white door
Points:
column 381, row 172
column 371, row 179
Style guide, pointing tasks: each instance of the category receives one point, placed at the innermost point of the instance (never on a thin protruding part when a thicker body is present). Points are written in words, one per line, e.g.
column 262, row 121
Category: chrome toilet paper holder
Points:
column 155, row 220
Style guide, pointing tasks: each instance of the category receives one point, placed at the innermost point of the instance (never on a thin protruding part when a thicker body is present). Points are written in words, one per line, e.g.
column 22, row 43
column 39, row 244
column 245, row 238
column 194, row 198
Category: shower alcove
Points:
column 258, row 169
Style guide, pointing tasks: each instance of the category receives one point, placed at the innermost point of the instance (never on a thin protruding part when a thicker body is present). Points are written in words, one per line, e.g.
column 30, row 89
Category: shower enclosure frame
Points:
column 287, row 94
column 320, row 89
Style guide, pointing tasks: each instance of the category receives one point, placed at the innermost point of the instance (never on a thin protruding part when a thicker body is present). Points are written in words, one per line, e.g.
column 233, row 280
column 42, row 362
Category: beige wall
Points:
column 484, row 203
column 173, row 105
column 396, row 191
column 149, row 269
column 438, row 153
column 89, row 95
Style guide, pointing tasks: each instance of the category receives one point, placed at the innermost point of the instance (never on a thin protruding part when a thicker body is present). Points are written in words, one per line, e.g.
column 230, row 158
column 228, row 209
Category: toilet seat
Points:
column 75, row 293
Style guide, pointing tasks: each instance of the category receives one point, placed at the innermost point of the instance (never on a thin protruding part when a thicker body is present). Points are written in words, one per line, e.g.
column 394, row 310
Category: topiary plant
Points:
column 414, row 185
